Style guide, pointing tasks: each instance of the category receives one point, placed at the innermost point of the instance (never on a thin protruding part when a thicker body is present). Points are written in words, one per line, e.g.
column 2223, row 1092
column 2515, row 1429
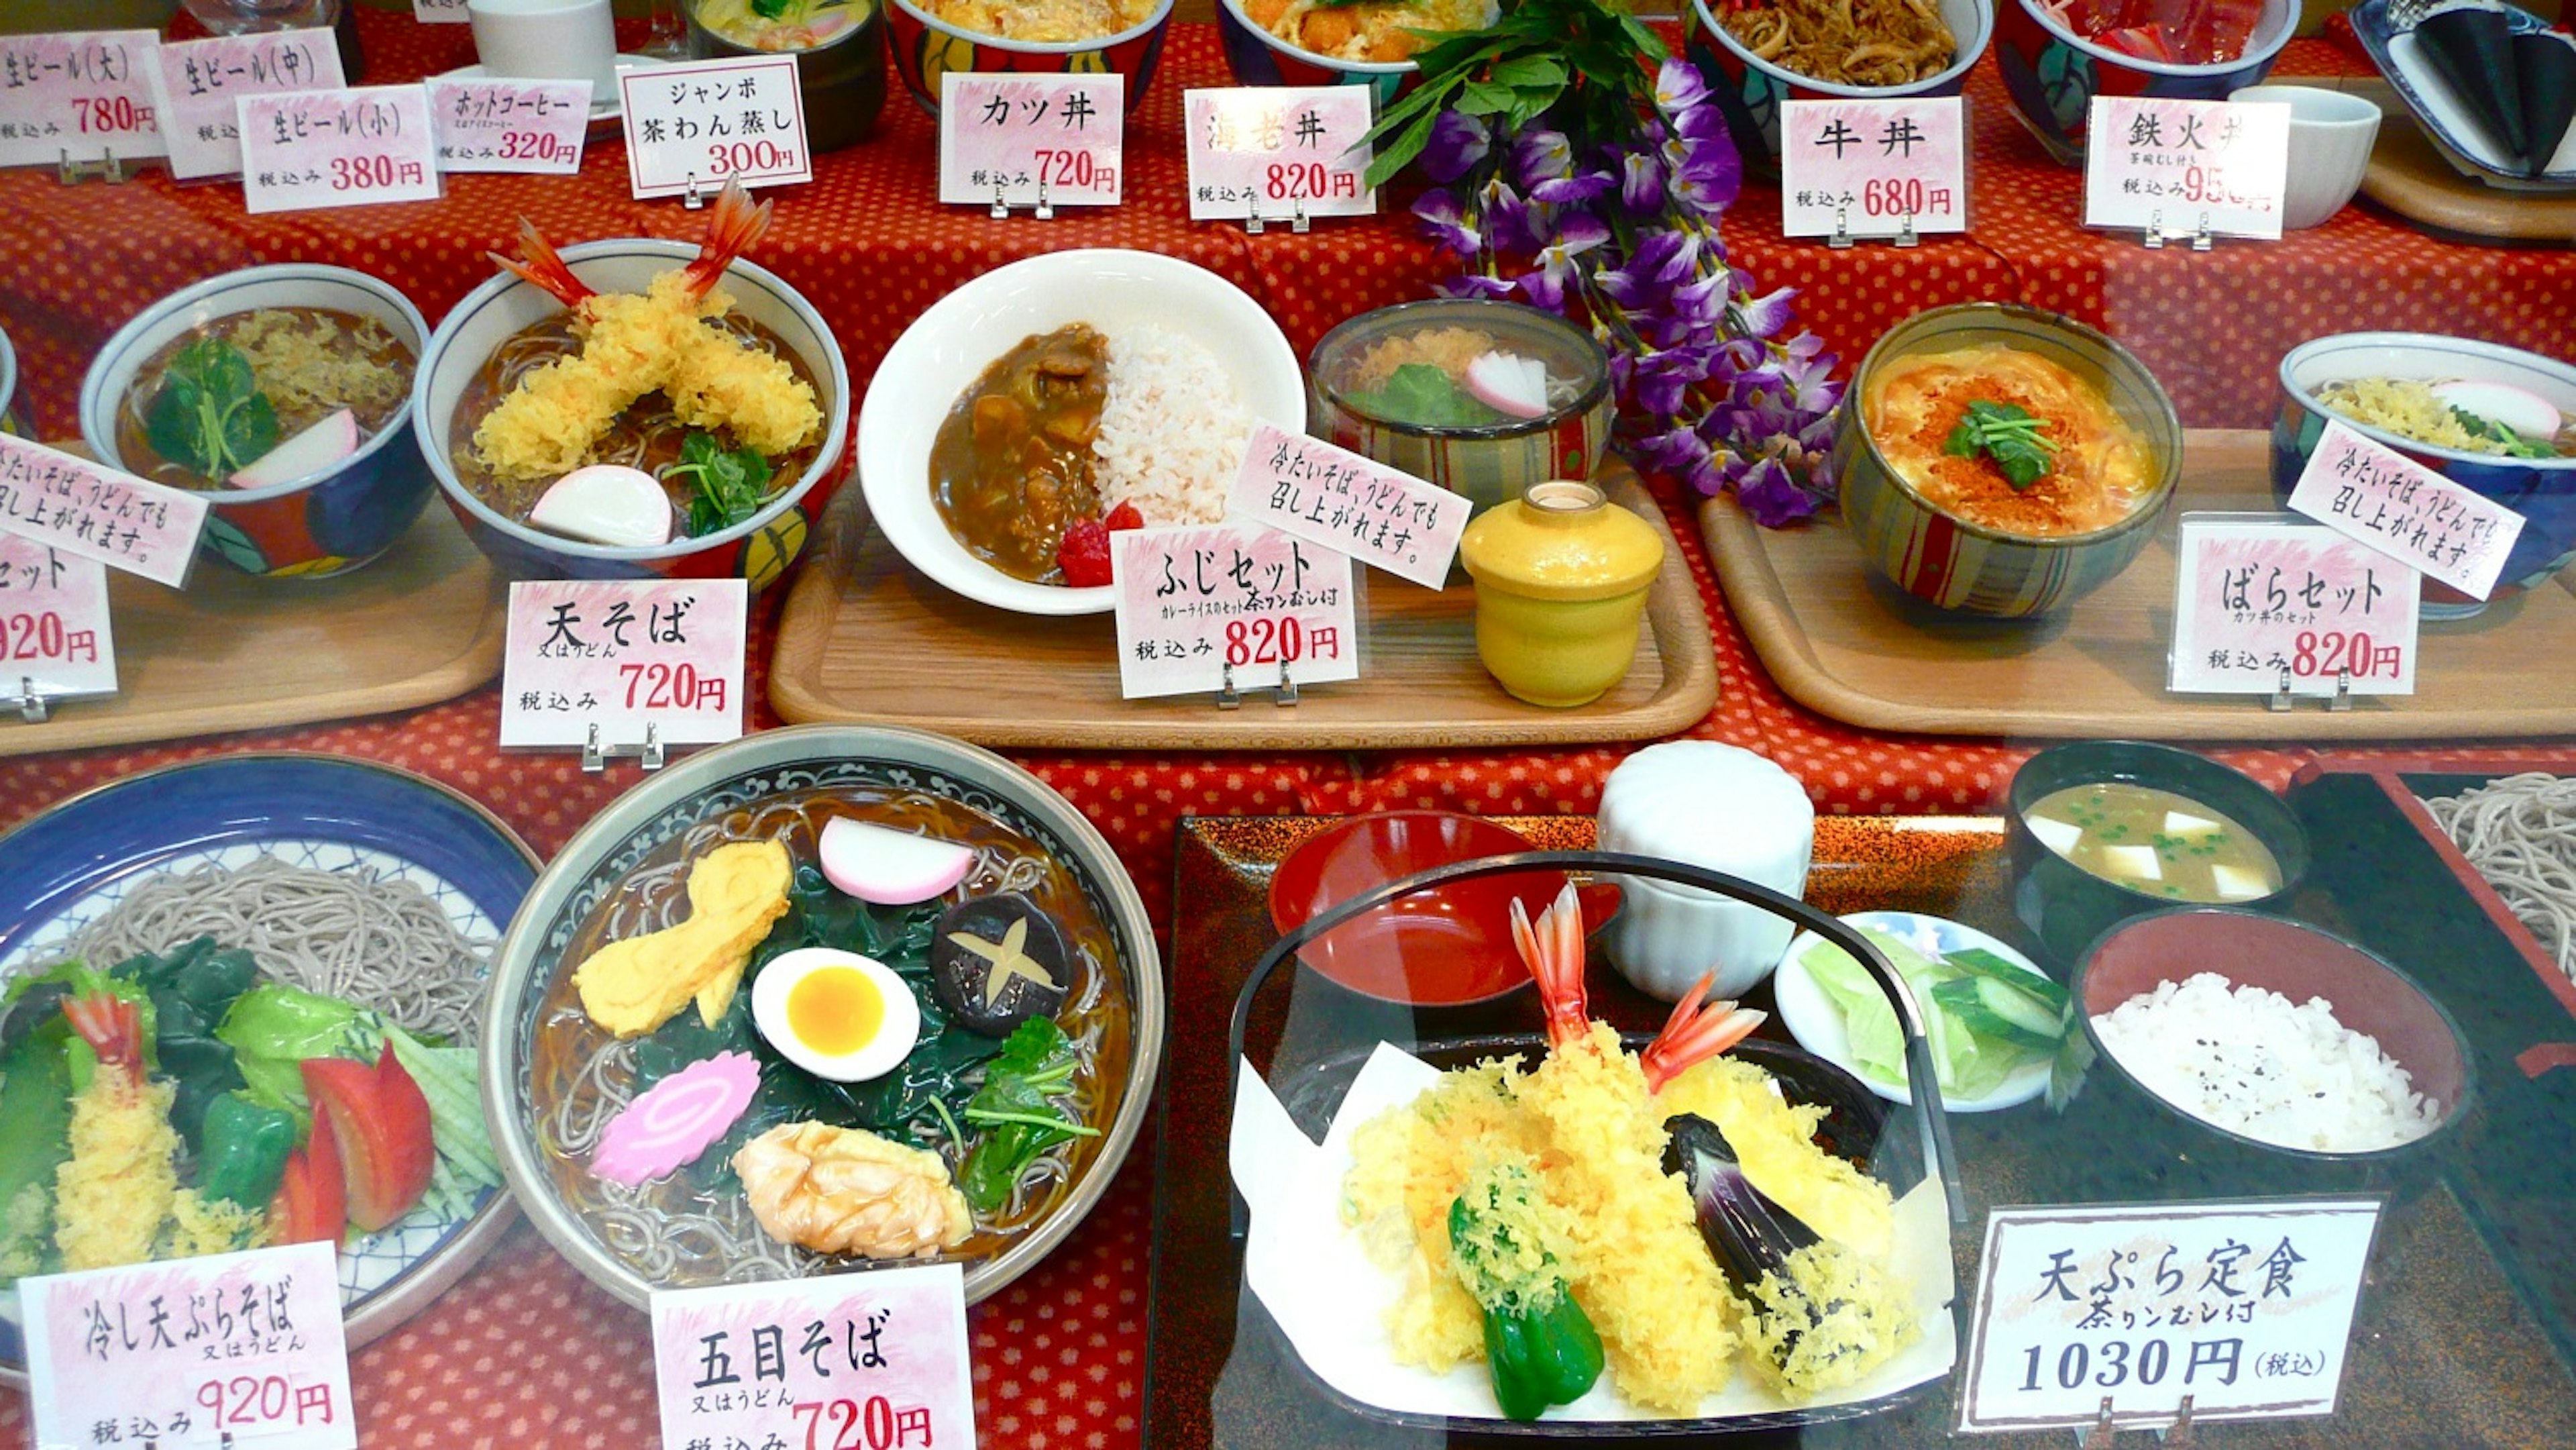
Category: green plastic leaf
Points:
column 1424, row 396
column 725, row 487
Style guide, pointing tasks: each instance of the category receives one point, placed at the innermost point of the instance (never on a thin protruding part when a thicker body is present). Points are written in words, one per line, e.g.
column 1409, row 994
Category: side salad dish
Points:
column 1988, row 1018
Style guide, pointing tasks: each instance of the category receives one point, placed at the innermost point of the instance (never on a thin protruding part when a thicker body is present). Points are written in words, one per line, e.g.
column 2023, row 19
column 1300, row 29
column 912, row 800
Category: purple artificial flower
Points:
column 1541, row 155
column 1507, row 217
column 1445, row 221
column 1573, row 190
column 1766, row 315
column 1677, row 452
column 1707, row 174
column 1457, row 142
column 1576, row 233
column 1678, row 86
column 1475, row 285
column 1771, row 494
column 1641, row 182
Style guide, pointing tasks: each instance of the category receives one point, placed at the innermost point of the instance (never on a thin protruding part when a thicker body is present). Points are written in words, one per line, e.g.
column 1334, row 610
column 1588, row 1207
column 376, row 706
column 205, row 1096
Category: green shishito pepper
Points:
column 246, row 1146
column 1540, row 1347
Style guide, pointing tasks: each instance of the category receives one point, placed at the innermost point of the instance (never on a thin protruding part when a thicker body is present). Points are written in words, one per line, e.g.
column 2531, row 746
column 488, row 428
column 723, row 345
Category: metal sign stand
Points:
column 1283, row 695
column 2340, row 702
column 1842, row 239
column 1253, row 222
column 32, row 706
column 2157, row 236
column 595, row 756
column 72, row 173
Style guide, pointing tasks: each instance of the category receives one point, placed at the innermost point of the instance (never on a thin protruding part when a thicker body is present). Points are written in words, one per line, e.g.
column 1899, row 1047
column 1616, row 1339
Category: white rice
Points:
column 1172, row 431
column 2252, row 1062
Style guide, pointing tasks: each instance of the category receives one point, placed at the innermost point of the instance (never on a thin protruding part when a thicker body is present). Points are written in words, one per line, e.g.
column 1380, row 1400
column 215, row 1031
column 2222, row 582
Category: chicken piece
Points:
column 845, row 1191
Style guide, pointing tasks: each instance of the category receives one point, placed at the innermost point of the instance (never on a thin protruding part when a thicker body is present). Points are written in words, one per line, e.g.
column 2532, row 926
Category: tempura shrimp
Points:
column 121, row 1179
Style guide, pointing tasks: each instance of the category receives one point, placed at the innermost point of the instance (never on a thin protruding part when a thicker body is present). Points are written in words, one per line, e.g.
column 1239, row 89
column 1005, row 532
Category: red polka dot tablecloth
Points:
column 523, row 1351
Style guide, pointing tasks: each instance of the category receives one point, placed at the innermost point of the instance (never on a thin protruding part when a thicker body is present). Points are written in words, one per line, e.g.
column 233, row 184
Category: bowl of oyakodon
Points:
column 822, row 1000
column 1032, row 412
column 636, row 407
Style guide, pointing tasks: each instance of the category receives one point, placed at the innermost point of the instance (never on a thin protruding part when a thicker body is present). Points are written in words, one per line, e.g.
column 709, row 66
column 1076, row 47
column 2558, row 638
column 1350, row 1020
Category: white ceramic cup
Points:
column 2331, row 133
column 556, row 40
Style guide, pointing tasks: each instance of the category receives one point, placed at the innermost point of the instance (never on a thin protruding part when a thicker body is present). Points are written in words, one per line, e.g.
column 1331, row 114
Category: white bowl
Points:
column 1812, row 1018
column 949, row 346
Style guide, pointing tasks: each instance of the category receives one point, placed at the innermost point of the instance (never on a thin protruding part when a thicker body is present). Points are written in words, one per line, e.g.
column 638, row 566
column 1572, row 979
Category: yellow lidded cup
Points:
column 1561, row 576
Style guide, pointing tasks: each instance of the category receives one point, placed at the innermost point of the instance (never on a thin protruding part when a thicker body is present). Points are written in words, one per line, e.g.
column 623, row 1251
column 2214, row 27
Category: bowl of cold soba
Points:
column 281, row 392
column 2103, row 830
column 636, row 407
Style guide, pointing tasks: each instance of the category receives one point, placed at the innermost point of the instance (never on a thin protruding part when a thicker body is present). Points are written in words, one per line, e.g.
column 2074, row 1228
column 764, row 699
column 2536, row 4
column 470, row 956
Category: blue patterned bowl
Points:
column 1259, row 58
column 2053, row 76
column 1749, row 89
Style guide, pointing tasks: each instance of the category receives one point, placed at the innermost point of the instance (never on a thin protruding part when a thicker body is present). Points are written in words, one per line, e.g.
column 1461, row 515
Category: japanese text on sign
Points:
column 78, row 97
column 2259, row 599
column 1273, row 151
column 337, row 148
column 54, row 637
column 2245, row 1307
column 234, row 1348
column 622, row 655
column 699, row 125
column 1199, row 605
column 199, row 83
column 2186, row 166
column 98, row 513
column 510, row 125
column 1024, row 139
column 1873, row 168
column 440, row 12
column 1334, row 497
column 870, row 1361
column 2411, row 514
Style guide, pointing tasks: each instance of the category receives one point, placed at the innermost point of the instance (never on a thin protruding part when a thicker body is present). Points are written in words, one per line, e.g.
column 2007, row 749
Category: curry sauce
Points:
column 1012, row 464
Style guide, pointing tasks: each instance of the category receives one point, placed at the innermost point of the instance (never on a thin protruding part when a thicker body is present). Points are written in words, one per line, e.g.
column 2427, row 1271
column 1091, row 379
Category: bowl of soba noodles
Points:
column 635, row 408
column 280, row 391
column 820, row 1000
column 1758, row 53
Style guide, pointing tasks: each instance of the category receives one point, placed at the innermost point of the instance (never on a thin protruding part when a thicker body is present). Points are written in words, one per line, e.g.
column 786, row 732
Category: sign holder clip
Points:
column 2340, row 704
column 2102, row 1433
column 1228, row 697
column 1842, row 238
column 695, row 198
column 1001, row 208
column 72, row 173
column 1905, row 235
column 33, row 706
column 2157, row 236
column 1046, row 203
column 2179, row 1432
column 595, row 756
column 1287, row 695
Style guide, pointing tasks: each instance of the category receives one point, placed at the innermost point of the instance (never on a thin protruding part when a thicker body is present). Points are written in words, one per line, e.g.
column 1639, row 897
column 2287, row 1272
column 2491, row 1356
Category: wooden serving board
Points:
column 1846, row 644
column 420, row 625
column 868, row 639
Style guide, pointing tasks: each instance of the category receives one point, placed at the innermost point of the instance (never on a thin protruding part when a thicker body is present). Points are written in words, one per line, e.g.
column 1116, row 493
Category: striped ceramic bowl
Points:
column 1938, row 556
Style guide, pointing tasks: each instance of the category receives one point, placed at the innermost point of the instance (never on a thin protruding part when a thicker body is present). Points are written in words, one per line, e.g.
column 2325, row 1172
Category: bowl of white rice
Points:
column 1194, row 365
column 2274, row 1035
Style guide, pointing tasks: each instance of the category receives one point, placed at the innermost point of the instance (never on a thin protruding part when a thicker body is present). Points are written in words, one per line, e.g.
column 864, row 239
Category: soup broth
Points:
column 2155, row 842
column 308, row 362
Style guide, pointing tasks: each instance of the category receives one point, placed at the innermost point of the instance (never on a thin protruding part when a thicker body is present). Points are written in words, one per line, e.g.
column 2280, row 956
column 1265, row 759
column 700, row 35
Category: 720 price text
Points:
column 877, row 1425
column 659, row 686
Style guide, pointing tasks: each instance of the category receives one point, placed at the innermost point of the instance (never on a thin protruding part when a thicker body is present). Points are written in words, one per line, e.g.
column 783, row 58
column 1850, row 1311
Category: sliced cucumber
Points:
column 1978, row 962
column 1993, row 1010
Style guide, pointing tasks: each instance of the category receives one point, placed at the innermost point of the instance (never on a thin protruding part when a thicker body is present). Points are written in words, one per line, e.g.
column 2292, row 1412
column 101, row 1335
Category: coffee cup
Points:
column 2331, row 133
column 557, row 40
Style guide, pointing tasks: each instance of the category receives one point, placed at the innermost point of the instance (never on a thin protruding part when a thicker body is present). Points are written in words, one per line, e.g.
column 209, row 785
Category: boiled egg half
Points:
column 836, row 1014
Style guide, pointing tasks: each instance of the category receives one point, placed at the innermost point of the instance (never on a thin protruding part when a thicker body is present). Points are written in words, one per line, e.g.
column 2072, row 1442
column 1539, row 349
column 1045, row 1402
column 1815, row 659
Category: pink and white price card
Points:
column 1204, row 604
column 78, row 97
column 197, row 83
column 96, row 512
column 440, row 12
column 1277, row 152
column 2263, row 600
column 1026, row 139
column 875, row 1360
column 1331, row 496
column 510, row 125
column 192, row 1354
column 699, row 124
column 2411, row 514
column 2179, row 167
column 54, row 636
column 1874, row 168
column 318, row 149
column 623, row 655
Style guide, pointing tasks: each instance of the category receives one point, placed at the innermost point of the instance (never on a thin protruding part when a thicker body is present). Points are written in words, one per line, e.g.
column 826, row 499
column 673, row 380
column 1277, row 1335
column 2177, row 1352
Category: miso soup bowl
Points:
column 927, row 48
column 2068, row 906
column 1749, row 89
column 1954, row 563
column 760, row 548
column 329, row 521
column 2052, row 75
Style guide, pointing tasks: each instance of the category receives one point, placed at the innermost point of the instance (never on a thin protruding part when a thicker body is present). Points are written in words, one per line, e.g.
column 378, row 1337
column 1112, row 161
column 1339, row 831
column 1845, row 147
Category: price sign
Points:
column 440, row 12
column 510, row 125
column 1196, row 603
column 2260, row 596
column 1874, row 168
column 96, row 512
column 2186, row 166
column 701, row 124
column 1025, row 139
column 2409, row 513
column 1272, row 151
column 78, row 97
column 861, row 1360
column 1334, row 497
column 54, row 639
column 623, row 655
column 232, row 1349
column 2245, row 1307
column 197, row 83
column 319, row 149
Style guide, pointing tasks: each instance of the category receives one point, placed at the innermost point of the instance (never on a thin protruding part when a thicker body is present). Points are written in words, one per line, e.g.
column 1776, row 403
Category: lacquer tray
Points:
column 420, row 625
column 1846, row 644
column 867, row 639
column 2444, row 1352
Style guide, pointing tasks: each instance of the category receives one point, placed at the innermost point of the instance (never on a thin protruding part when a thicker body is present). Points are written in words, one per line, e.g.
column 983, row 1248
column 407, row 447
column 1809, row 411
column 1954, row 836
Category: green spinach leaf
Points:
column 210, row 414
column 1017, row 1113
column 725, row 488
column 1424, row 396
column 2008, row 434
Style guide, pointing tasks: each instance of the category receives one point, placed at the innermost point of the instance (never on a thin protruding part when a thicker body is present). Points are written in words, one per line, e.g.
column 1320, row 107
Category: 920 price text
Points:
column 245, row 1400
column 45, row 637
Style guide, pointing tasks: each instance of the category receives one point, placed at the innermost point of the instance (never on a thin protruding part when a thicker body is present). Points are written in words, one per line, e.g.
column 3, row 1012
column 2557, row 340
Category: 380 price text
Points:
column 373, row 173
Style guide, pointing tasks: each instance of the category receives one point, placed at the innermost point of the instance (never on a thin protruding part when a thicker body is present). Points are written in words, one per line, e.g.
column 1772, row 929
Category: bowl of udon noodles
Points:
column 1756, row 55
column 2455, row 406
column 932, row 38
column 1367, row 43
column 2057, row 55
column 508, row 328
column 280, row 358
column 1950, row 525
column 1025, row 965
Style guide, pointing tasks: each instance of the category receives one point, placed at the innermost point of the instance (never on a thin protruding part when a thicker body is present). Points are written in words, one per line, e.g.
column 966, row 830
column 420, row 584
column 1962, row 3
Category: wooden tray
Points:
column 2410, row 178
column 866, row 638
column 421, row 625
column 1848, row 645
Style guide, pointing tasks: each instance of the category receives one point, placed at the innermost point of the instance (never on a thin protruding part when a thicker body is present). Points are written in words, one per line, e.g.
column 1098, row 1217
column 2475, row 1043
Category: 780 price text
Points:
column 110, row 115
